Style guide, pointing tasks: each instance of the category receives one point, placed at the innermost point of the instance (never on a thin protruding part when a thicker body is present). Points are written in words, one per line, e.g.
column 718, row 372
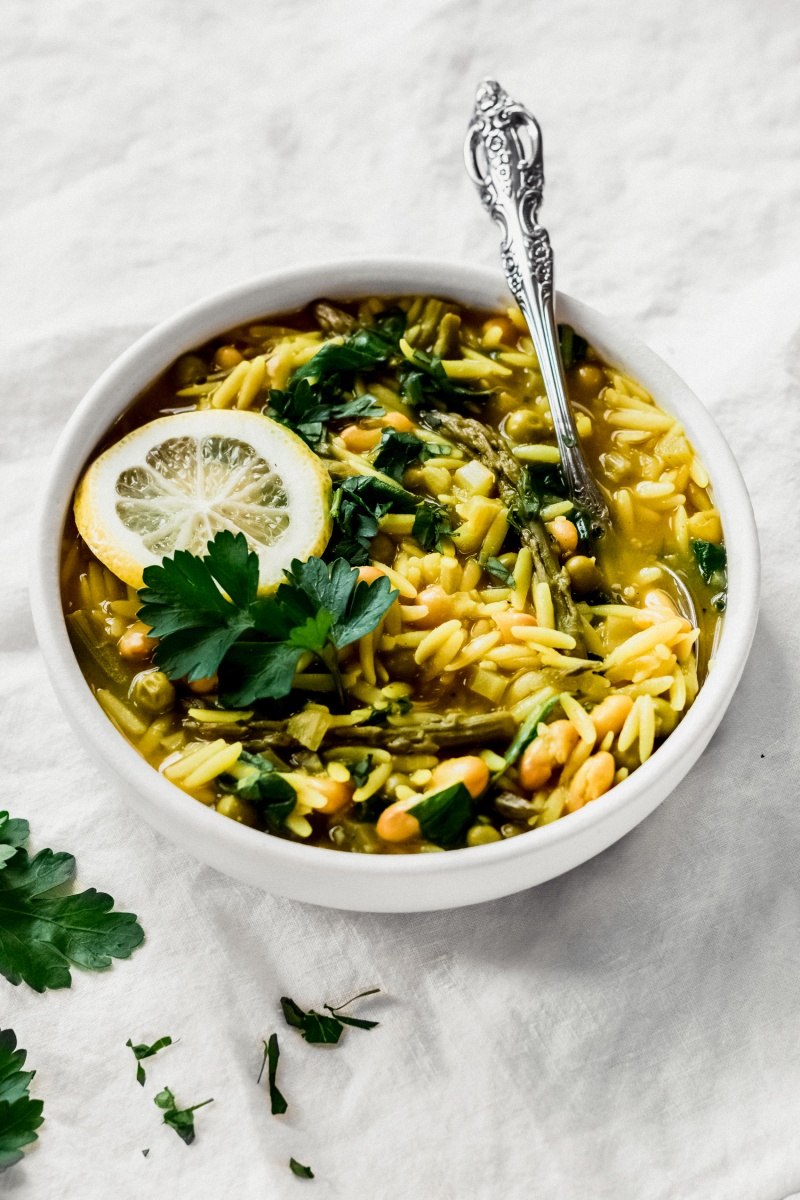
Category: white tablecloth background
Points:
column 630, row 1031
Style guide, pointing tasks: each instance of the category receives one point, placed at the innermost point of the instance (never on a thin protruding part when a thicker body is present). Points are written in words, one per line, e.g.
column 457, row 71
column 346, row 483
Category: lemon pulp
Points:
column 176, row 482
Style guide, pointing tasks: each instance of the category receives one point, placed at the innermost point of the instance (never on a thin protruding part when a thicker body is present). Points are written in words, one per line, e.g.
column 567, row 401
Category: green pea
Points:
column 153, row 692
column 481, row 835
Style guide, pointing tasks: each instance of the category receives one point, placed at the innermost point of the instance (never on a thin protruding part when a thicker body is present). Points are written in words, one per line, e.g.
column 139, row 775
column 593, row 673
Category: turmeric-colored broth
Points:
column 479, row 650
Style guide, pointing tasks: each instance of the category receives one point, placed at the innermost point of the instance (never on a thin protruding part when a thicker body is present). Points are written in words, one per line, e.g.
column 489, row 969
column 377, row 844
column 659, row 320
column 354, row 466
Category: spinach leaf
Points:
column 500, row 571
column 257, row 780
column 526, row 733
column 712, row 562
column 445, row 816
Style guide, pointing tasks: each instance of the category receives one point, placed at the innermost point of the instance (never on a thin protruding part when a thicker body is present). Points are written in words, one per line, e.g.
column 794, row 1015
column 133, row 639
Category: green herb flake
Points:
column 179, row 1119
column 143, row 1051
column 500, row 571
column 146, row 1152
column 573, row 347
column 526, row 733
column 712, row 563
column 20, row 1116
column 271, row 1055
column 42, row 934
column 298, row 1169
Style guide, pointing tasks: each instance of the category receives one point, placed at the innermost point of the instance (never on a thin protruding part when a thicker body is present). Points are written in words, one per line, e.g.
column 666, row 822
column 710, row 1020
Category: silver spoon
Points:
column 503, row 153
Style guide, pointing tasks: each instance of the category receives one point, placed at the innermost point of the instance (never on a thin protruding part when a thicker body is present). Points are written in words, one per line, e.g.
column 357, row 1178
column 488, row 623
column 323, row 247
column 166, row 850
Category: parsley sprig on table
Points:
column 179, row 1119
column 322, row 1030
column 41, row 934
column 209, row 618
column 144, row 1051
column 20, row 1116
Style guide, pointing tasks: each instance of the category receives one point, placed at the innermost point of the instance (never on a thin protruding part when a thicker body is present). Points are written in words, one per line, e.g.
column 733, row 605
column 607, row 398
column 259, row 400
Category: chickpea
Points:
column 357, row 440
column 202, row 687
column 369, row 574
column 153, row 691
column 482, row 835
column 227, row 357
column 611, row 715
column 548, row 751
column 564, row 533
column 591, row 780
column 136, row 644
column 396, row 824
column 439, row 605
column 591, row 379
column 398, row 421
column 583, row 573
column 469, row 770
column 336, row 794
column 510, row 619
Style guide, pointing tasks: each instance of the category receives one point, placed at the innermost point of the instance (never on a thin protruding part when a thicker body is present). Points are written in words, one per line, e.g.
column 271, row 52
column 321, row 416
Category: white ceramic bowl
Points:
column 394, row 883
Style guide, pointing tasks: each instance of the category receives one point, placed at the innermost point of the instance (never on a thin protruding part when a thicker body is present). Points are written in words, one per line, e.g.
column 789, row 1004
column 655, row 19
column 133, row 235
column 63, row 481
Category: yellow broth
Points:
column 448, row 644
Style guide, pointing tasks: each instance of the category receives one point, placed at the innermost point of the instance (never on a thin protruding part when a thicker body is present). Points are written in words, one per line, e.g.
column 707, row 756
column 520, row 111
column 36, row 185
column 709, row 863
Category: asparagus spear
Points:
column 426, row 734
column 492, row 450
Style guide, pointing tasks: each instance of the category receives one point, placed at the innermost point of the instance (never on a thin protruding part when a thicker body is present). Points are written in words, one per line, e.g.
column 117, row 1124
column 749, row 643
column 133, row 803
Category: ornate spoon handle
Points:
column 503, row 152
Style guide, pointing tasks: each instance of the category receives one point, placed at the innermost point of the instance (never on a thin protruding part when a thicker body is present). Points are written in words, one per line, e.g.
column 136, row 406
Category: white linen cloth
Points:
column 626, row 1032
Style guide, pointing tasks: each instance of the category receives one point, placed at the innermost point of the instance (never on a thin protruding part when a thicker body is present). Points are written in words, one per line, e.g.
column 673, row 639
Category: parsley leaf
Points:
column 271, row 1055
column 431, row 524
column 254, row 643
column 500, row 571
column 444, row 816
column 185, row 608
column 20, row 1116
column 257, row 780
column 179, row 1119
column 358, row 504
column 298, row 1169
column 360, row 770
column 318, row 1029
column 144, row 1051
column 42, row 934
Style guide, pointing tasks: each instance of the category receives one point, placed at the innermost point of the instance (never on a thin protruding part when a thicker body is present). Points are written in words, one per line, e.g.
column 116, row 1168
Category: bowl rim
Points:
column 129, row 373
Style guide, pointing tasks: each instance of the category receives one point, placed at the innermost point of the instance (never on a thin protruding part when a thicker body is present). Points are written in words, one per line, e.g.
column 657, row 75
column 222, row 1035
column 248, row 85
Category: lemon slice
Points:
column 176, row 482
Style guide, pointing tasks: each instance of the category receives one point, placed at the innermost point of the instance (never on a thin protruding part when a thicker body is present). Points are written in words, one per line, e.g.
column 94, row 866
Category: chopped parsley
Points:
column 179, row 1119
column 271, row 1055
column 397, row 451
column 319, row 1029
column 257, row 780
column 41, row 934
column 298, row 1169
column 573, row 347
column 358, row 504
column 209, row 618
column 143, row 1051
column 20, row 1116
column 431, row 524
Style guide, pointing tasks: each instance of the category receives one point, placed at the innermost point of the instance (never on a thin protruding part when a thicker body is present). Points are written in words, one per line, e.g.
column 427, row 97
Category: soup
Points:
column 372, row 619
